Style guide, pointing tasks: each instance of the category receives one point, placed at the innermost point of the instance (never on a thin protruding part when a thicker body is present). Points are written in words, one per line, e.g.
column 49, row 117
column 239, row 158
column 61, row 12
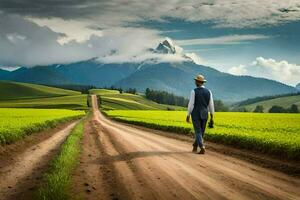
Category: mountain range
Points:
column 155, row 73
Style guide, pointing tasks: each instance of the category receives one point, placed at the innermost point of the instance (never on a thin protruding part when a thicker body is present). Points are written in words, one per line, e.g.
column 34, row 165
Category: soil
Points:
column 125, row 162
column 23, row 163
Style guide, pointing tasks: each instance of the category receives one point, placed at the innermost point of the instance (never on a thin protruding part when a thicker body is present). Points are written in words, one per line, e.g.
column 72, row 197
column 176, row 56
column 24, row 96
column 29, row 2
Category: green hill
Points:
column 25, row 95
column 113, row 100
column 285, row 102
column 15, row 90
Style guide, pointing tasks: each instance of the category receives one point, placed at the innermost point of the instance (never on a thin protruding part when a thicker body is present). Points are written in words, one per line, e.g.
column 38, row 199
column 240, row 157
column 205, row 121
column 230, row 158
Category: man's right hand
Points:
column 187, row 119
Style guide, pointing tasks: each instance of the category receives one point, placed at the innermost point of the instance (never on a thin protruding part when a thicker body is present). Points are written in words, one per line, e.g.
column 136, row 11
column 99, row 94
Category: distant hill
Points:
column 3, row 73
column 298, row 86
column 285, row 101
column 177, row 78
column 15, row 90
column 112, row 99
column 173, row 77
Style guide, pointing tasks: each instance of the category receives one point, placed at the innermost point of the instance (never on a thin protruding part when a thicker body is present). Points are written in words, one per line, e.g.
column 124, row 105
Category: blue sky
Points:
column 281, row 42
column 258, row 38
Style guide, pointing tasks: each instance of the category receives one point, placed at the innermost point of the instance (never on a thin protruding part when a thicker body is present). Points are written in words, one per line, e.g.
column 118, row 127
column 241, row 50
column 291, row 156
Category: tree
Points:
column 131, row 91
column 220, row 107
column 277, row 109
column 293, row 109
column 259, row 109
column 165, row 97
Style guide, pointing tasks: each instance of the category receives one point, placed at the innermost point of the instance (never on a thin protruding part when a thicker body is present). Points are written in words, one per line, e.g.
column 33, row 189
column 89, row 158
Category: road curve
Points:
column 128, row 163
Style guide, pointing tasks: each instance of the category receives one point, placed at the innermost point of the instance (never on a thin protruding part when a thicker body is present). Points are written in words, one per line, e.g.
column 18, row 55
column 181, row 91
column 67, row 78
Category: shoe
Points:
column 195, row 149
column 202, row 151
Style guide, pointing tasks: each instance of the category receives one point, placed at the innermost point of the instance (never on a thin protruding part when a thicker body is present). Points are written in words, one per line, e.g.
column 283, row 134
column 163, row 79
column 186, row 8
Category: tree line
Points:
column 164, row 97
column 264, row 98
column 278, row 109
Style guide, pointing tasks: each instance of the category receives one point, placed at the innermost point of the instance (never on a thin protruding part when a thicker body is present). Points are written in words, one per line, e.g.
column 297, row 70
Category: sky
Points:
column 258, row 37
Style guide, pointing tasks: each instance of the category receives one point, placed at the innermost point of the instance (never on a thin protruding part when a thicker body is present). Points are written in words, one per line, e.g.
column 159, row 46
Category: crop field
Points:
column 75, row 102
column 270, row 133
column 15, row 90
column 282, row 101
column 17, row 123
column 112, row 100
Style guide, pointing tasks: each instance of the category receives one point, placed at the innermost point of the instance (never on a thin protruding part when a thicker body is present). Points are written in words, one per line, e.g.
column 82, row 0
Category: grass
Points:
column 58, row 180
column 112, row 100
column 75, row 102
column 281, row 101
column 276, row 134
column 17, row 123
column 15, row 90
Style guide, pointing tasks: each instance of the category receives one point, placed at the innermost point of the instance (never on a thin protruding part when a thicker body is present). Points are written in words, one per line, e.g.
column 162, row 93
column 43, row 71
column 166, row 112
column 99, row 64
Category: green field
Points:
column 281, row 101
column 112, row 99
column 24, row 95
column 277, row 134
column 17, row 123
column 15, row 90
column 76, row 102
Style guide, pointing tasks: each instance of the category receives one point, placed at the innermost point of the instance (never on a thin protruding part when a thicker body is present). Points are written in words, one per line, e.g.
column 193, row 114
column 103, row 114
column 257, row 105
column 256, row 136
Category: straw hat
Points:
column 200, row 78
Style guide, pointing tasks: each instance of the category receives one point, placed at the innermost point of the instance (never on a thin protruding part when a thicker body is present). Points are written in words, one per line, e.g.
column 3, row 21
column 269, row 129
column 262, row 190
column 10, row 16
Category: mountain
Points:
column 3, row 73
column 178, row 78
column 298, row 86
column 168, row 69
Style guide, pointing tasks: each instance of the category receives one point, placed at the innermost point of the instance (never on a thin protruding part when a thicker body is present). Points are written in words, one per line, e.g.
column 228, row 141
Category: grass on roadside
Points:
column 16, row 124
column 264, row 132
column 58, row 180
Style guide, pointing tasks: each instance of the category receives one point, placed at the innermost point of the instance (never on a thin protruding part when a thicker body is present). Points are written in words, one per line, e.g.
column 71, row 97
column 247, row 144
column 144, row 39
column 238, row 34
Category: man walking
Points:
column 201, row 101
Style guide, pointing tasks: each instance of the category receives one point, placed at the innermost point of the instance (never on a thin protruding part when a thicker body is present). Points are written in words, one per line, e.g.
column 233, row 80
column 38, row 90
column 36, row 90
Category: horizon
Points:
column 259, row 39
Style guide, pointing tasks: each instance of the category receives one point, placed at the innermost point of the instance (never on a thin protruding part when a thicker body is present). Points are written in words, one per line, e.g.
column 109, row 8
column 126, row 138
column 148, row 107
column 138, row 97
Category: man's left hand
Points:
column 187, row 119
column 211, row 123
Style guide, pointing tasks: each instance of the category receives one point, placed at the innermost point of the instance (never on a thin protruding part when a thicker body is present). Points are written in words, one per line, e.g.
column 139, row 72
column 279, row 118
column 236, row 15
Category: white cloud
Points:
column 71, row 29
column 238, row 70
column 196, row 58
column 9, row 68
column 85, row 29
column 224, row 13
column 15, row 38
column 238, row 13
column 39, row 45
column 222, row 40
column 269, row 68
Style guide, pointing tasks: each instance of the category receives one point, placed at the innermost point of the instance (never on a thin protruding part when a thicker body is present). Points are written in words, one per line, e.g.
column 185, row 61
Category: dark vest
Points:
column 202, row 97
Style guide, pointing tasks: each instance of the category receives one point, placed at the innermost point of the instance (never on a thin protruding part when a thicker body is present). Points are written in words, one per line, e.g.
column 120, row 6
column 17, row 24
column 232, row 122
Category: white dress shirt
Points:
column 211, row 107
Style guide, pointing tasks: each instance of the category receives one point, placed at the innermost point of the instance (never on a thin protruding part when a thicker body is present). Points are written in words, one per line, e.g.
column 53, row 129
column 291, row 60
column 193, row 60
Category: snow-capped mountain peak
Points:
column 167, row 47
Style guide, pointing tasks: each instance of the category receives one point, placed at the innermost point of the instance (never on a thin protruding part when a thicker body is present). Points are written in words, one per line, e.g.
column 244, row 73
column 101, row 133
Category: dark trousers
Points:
column 199, row 127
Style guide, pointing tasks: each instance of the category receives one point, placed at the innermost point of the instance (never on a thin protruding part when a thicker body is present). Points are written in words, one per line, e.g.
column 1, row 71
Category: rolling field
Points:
column 25, row 95
column 75, row 102
column 281, row 101
column 277, row 134
column 15, row 90
column 17, row 123
column 112, row 99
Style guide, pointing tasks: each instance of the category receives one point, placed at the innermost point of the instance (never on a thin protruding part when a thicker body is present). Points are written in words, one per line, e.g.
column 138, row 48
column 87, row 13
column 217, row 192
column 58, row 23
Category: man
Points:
column 201, row 101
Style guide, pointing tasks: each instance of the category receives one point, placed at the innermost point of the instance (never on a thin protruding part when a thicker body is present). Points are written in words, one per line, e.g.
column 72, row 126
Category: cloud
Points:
column 238, row 70
column 269, row 68
column 42, row 32
column 222, row 40
column 71, row 29
column 229, row 13
column 23, row 42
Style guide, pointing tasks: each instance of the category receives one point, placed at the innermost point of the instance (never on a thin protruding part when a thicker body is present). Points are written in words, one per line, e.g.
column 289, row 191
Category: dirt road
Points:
column 21, row 170
column 123, row 162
